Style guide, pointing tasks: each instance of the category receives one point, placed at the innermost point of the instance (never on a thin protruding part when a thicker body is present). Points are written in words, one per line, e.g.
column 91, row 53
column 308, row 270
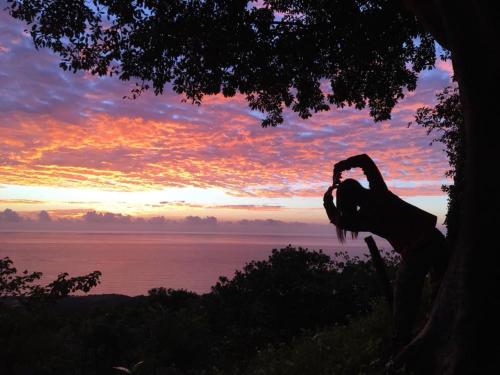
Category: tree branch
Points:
column 428, row 13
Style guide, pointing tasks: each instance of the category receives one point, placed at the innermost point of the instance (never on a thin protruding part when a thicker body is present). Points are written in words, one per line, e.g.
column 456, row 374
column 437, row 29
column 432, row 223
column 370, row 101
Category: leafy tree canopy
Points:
column 447, row 120
column 305, row 55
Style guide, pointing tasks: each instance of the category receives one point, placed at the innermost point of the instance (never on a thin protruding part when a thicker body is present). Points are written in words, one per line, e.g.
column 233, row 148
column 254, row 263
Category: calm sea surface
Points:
column 133, row 263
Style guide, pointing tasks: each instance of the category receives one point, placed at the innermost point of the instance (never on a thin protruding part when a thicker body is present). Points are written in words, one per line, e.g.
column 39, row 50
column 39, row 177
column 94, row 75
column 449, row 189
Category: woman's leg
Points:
column 408, row 292
column 441, row 257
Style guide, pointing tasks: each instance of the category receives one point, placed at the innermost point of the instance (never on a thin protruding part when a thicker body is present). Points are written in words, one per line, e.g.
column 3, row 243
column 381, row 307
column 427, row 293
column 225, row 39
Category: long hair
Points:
column 347, row 205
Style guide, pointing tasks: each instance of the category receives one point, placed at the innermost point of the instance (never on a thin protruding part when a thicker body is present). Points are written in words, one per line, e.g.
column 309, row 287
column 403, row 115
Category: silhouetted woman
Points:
column 411, row 231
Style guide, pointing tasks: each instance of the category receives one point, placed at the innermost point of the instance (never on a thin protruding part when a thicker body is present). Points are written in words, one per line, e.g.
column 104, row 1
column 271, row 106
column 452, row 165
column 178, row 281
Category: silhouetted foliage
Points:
column 277, row 54
column 446, row 118
column 30, row 334
column 14, row 285
column 293, row 291
column 294, row 294
column 358, row 348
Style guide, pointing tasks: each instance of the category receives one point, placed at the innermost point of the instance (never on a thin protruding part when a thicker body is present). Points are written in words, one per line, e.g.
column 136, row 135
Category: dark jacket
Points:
column 384, row 213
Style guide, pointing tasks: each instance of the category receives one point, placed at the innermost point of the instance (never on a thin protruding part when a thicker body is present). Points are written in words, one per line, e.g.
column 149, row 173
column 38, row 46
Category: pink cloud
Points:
column 445, row 66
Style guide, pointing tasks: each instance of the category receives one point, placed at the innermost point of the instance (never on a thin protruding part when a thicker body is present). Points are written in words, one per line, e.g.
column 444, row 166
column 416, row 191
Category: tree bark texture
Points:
column 462, row 335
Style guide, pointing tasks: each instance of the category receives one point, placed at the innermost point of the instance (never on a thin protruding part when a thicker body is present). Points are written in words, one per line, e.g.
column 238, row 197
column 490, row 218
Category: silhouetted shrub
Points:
column 361, row 347
column 292, row 292
column 14, row 285
column 269, row 306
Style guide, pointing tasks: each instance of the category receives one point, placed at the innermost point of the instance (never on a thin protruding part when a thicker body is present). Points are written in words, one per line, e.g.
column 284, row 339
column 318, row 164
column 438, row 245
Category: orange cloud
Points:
column 128, row 154
column 19, row 201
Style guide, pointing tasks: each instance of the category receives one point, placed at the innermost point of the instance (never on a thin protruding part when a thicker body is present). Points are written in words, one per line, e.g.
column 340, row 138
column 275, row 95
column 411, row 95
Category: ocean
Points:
column 133, row 263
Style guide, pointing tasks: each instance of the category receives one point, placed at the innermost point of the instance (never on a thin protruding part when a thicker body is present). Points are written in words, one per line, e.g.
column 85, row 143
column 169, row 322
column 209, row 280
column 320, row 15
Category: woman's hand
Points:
column 328, row 198
column 329, row 205
column 340, row 167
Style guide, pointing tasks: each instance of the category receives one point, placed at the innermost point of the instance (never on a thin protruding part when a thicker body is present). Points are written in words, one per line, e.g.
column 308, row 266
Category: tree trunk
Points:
column 462, row 335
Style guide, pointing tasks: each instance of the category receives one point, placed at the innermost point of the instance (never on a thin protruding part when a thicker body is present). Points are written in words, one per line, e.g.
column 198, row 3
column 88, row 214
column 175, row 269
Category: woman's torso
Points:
column 399, row 222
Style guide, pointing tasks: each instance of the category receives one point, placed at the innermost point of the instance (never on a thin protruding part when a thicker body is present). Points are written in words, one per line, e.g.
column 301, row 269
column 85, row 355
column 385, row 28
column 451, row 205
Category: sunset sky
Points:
column 69, row 143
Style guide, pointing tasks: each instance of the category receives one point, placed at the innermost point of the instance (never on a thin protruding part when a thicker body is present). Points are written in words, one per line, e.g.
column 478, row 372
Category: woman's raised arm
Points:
column 368, row 166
